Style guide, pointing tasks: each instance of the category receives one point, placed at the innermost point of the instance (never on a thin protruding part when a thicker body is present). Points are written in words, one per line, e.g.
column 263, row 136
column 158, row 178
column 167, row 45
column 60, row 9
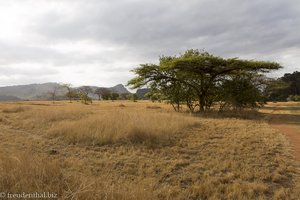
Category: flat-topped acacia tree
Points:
column 195, row 71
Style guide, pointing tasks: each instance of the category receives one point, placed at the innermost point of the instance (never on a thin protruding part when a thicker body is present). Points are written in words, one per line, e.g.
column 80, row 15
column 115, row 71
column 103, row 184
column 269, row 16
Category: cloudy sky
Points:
column 97, row 42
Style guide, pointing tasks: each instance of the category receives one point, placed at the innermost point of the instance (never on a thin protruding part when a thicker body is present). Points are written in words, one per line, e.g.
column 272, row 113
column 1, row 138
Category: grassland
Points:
column 143, row 150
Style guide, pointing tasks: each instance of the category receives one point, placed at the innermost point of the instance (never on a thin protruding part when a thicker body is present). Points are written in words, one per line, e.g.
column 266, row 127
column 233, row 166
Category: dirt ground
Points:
column 285, row 117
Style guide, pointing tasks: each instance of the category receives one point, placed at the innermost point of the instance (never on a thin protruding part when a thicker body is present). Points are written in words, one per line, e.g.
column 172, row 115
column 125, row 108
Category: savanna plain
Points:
column 143, row 150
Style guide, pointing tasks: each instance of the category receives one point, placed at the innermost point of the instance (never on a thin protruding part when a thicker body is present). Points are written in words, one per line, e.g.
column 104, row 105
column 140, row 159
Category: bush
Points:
column 85, row 99
column 293, row 98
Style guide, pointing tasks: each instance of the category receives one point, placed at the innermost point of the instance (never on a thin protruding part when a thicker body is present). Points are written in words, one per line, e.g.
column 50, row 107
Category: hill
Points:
column 41, row 91
column 141, row 93
column 120, row 89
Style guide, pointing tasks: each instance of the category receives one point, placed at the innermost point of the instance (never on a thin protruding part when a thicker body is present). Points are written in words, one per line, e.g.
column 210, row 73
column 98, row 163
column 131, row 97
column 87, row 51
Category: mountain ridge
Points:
column 40, row 91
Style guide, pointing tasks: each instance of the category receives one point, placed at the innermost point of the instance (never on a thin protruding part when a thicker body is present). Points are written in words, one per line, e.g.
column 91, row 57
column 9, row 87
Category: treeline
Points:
column 200, row 80
column 285, row 88
column 85, row 93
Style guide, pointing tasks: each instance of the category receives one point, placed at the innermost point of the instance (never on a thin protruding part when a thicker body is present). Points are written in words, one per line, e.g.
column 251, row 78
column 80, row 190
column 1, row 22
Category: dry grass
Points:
column 151, row 129
column 78, row 124
column 102, row 152
column 28, row 173
column 22, row 173
column 153, row 107
column 13, row 109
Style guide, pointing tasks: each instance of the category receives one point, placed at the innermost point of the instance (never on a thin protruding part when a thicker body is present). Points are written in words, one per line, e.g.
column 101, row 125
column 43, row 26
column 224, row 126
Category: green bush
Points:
column 293, row 98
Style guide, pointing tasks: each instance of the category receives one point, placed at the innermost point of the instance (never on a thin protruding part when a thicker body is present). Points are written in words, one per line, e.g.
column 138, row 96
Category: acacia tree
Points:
column 154, row 95
column 85, row 89
column 84, row 92
column 53, row 91
column 198, row 71
column 70, row 93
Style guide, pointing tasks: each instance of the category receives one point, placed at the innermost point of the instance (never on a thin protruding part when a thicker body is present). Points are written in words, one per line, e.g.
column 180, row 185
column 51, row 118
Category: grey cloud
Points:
column 129, row 32
column 154, row 25
column 18, row 53
column 18, row 71
column 13, row 53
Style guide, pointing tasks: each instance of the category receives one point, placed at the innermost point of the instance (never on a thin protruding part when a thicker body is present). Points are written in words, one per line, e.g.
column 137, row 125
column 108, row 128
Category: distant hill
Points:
column 41, row 91
column 141, row 93
column 9, row 98
column 120, row 89
column 28, row 92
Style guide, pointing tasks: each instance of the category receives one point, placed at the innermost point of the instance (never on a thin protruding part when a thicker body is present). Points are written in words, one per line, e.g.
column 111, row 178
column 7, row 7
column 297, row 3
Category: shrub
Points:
column 293, row 98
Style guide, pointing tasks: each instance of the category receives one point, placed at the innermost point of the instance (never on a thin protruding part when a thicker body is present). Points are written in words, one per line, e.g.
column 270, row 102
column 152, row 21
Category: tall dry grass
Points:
column 220, row 157
column 34, row 174
column 13, row 109
column 101, row 125
column 21, row 172
column 123, row 127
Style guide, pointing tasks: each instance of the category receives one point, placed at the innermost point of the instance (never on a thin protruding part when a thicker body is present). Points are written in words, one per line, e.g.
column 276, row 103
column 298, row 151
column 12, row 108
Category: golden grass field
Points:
column 143, row 150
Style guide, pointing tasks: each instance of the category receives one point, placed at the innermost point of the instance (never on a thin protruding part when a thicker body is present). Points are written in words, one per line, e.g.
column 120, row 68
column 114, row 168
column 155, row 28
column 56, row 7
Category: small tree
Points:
column 114, row 96
column 101, row 92
column 84, row 92
column 106, row 95
column 85, row 99
column 124, row 96
column 85, row 89
column 132, row 97
column 54, row 91
column 69, row 93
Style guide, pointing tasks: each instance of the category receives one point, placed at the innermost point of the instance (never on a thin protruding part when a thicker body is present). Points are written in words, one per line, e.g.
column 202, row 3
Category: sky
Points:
column 98, row 42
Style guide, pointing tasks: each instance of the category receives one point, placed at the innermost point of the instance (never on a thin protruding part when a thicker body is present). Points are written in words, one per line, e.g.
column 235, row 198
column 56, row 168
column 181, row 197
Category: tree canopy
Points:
column 195, row 76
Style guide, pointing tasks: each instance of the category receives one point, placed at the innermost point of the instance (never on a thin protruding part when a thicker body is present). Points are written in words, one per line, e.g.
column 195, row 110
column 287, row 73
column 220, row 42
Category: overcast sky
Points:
column 97, row 42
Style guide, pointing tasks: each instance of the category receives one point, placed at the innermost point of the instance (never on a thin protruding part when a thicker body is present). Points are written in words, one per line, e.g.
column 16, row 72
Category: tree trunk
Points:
column 201, row 103
column 175, row 107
